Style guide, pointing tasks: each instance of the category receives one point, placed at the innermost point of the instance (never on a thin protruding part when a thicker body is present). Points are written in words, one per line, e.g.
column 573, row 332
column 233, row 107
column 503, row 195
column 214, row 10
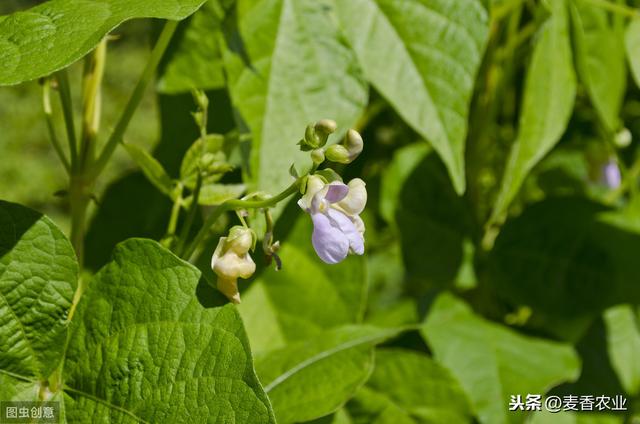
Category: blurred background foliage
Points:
column 560, row 274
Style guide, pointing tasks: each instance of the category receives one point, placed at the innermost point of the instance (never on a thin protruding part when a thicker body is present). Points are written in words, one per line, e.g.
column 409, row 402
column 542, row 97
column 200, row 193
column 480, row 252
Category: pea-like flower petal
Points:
column 328, row 240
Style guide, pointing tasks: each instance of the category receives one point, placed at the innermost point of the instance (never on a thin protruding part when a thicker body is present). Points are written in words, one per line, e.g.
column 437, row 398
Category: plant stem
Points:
column 237, row 204
column 79, row 201
column 48, row 114
column 191, row 216
column 67, row 111
column 615, row 8
column 136, row 97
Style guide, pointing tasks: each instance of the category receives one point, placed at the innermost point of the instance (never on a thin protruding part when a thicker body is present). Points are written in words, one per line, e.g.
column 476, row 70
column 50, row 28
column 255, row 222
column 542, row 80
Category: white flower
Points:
column 231, row 260
column 334, row 209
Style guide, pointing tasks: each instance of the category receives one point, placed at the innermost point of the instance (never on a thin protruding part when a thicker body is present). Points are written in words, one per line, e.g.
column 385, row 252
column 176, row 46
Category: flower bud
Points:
column 354, row 144
column 231, row 260
column 623, row 138
column 337, row 153
column 323, row 129
column 317, row 156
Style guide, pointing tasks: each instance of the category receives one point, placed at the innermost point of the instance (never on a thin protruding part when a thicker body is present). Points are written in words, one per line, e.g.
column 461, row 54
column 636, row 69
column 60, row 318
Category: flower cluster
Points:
column 334, row 208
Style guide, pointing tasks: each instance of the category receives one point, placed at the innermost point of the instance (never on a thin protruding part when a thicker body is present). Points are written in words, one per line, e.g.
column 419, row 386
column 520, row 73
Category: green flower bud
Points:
column 623, row 138
column 317, row 156
column 338, row 153
column 323, row 129
column 354, row 144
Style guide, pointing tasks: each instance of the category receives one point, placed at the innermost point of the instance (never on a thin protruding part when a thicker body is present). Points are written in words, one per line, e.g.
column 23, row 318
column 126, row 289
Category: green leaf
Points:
column 632, row 42
column 281, row 307
column 312, row 378
column 493, row 362
column 422, row 56
column 152, row 169
column 38, row 275
column 41, row 40
column 623, row 343
column 549, row 96
column 600, row 61
column 292, row 68
column 194, row 59
column 408, row 386
column 143, row 348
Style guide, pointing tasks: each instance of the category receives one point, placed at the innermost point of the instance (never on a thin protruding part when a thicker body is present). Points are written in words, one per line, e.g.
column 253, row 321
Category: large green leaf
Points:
column 312, row 378
column 623, row 344
column 291, row 304
column 38, row 275
column 600, row 60
column 632, row 42
column 423, row 56
column 194, row 59
column 549, row 96
column 493, row 362
column 142, row 348
column 409, row 387
column 289, row 67
column 51, row 36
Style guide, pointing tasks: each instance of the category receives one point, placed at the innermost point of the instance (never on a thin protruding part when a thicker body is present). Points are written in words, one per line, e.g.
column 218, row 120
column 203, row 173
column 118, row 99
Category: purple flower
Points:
column 611, row 174
column 334, row 209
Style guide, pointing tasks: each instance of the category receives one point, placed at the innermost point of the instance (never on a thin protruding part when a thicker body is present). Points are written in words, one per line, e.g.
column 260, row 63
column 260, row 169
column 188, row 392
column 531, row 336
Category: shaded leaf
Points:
column 549, row 96
column 313, row 377
column 143, row 348
column 41, row 40
column 297, row 70
column 493, row 362
column 566, row 259
column 38, row 277
column 422, row 56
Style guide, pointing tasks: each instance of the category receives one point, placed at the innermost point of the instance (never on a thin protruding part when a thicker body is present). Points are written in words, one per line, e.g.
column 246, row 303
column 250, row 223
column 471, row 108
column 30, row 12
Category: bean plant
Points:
column 352, row 211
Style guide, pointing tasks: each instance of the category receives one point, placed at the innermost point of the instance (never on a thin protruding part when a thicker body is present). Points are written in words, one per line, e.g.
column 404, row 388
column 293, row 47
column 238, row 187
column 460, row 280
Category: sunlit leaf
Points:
column 313, row 377
column 38, row 277
column 623, row 343
column 549, row 95
column 632, row 41
column 144, row 349
column 423, row 57
column 51, row 36
column 600, row 59
column 492, row 362
column 289, row 67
